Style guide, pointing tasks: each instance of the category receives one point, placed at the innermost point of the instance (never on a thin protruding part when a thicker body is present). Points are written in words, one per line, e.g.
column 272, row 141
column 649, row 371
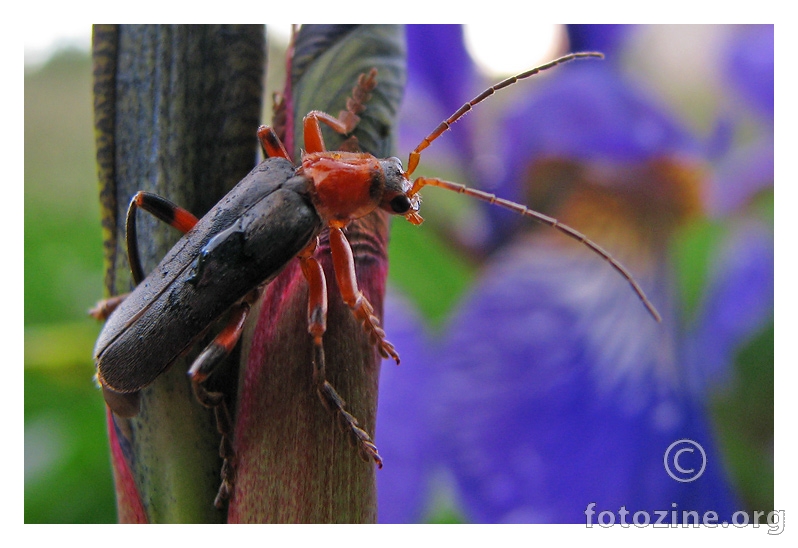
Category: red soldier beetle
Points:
column 273, row 215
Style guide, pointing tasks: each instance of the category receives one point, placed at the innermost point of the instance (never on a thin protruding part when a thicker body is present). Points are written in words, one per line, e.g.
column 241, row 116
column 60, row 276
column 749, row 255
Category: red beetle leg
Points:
column 317, row 320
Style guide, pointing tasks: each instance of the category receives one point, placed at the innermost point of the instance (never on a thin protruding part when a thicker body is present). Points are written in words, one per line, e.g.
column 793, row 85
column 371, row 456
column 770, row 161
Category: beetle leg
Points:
column 104, row 307
column 347, row 120
column 344, row 264
column 161, row 208
column 125, row 405
column 314, row 142
column 202, row 367
column 317, row 325
column 272, row 145
column 361, row 94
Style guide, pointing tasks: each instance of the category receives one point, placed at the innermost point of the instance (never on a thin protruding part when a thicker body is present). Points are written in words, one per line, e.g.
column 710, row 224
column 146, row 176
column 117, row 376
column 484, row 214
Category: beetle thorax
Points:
column 346, row 185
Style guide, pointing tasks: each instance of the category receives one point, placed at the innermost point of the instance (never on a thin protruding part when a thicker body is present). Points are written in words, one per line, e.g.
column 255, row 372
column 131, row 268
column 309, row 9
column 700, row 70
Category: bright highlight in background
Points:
column 510, row 48
column 50, row 36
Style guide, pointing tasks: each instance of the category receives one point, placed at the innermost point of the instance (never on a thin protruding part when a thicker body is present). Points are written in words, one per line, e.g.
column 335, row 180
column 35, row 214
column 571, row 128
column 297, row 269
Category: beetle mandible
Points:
column 225, row 259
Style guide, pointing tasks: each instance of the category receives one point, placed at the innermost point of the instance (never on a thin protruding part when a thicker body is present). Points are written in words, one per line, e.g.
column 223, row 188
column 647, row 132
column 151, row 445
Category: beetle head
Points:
column 398, row 198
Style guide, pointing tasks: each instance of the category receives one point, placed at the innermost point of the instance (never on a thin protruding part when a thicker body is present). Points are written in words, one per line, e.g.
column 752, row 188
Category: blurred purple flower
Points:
column 604, row 38
column 568, row 394
column 589, row 114
column 738, row 301
column 747, row 169
column 440, row 76
column 552, row 388
column 750, row 67
column 740, row 294
column 403, row 435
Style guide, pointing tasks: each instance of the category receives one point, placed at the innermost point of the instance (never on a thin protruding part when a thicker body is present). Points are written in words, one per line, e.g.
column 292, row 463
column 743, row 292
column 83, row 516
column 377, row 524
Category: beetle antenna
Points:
column 546, row 220
column 415, row 156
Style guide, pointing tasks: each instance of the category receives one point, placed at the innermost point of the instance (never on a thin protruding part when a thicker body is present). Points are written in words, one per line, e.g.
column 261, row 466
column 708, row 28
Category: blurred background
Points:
column 533, row 382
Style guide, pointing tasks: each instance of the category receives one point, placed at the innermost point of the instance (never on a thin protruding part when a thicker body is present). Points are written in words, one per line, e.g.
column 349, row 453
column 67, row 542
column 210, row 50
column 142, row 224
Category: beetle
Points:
column 221, row 265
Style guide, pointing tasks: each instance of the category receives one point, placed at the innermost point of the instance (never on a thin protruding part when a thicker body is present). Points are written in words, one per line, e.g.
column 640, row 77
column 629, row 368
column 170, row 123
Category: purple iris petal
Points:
column 740, row 176
column 403, row 434
column 586, row 112
column 739, row 300
column 439, row 80
column 746, row 170
column 750, row 67
column 604, row 38
column 438, row 61
column 562, row 391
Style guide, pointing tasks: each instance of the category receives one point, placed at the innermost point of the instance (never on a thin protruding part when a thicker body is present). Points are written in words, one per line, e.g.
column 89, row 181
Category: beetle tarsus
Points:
column 348, row 423
column 364, row 312
column 224, row 494
column 103, row 308
column 217, row 402
column 356, row 104
column 203, row 367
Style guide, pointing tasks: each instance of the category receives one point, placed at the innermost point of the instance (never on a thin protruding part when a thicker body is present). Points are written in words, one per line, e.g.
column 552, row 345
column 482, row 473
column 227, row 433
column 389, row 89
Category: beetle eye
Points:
column 400, row 204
